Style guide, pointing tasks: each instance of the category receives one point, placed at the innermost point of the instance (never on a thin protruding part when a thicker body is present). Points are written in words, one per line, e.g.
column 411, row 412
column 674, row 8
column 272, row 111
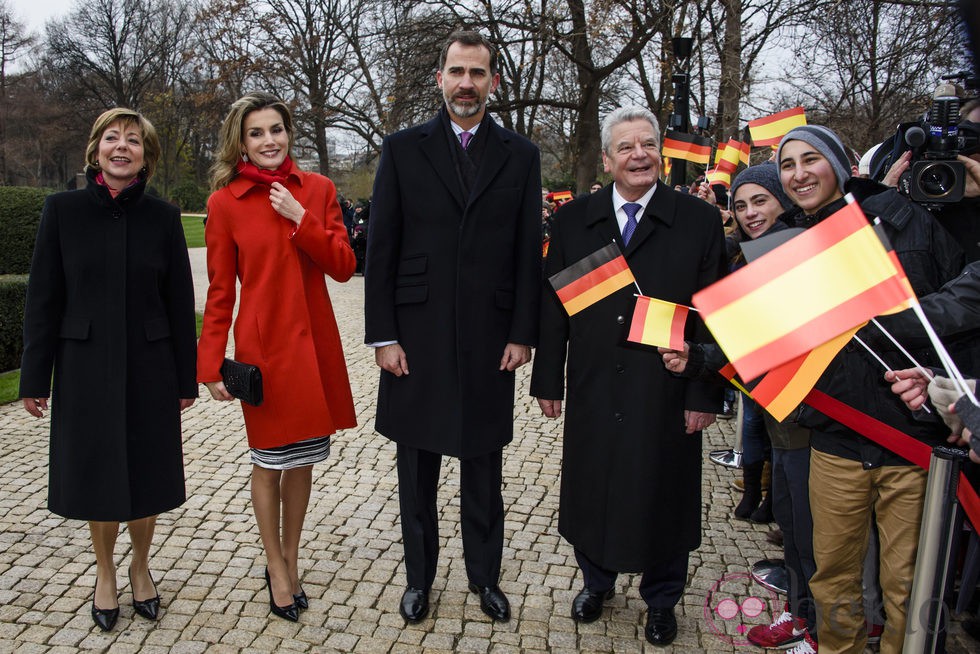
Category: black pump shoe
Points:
column 149, row 609
column 302, row 602
column 289, row 612
column 104, row 619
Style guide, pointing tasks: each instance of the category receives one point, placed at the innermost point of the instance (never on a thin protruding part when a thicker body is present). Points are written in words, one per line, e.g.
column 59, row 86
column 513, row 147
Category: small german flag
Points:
column 689, row 147
column 771, row 129
column 658, row 323
column 588, row 280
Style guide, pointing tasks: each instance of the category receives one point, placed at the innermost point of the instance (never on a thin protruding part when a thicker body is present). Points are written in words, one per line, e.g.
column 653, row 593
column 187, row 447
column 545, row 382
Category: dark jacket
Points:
column 110, row 307
column 930, row 258
column 631, row 476
column 453, row 278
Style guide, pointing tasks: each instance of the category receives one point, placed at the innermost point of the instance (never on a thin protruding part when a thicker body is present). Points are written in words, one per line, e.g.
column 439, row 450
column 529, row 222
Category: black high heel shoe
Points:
column 302, row 602
column 149, row 609
column 105, row 619
column 290, row 612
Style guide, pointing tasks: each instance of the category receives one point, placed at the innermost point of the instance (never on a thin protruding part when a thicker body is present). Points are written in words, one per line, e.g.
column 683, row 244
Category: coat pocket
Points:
column 414, row 265
column 411, row 294
column 75, row 327
column 157, row 328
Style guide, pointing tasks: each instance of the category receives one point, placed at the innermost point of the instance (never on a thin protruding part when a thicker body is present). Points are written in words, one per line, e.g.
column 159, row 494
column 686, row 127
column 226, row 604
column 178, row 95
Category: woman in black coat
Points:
column 110, row 309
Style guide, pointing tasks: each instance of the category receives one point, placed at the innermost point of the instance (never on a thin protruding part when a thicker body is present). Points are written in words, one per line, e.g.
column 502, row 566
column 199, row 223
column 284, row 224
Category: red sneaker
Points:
column 806, row 646
column 874, row 632
column 784, row 633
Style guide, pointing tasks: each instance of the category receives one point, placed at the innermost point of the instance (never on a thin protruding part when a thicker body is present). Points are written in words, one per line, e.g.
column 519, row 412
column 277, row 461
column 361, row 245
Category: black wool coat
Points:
column 631, row 476
column 453, row 279
column 110, row 308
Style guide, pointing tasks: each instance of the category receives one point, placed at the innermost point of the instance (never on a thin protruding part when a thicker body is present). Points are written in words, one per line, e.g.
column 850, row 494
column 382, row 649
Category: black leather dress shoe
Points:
column 105, row 619
column 301, row 600
column 415, row 605
column 493, row 602
column 661, row 626
column 150, row 608
column 587, row 605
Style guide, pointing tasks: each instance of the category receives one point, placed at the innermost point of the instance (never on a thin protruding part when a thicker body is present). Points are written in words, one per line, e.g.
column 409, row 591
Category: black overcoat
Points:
column 631, row 476
column 110, row 307
column 453, row 280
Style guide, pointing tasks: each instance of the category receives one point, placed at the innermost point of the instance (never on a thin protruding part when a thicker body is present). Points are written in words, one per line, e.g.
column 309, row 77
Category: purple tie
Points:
column 464, row 138
column 630, row 208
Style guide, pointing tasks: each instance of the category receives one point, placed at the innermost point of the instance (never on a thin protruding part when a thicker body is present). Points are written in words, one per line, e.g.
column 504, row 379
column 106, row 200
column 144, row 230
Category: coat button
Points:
column 117, row 215
column 619, row 417
column 620, row 368
column 620, row 320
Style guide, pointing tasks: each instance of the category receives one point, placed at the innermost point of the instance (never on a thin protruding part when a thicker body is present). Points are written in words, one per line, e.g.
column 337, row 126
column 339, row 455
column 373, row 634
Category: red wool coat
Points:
column 285, row 321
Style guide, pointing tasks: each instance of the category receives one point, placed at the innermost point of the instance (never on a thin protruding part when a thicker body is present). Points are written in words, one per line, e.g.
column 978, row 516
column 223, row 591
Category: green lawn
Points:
column 10, row 381
column 193, row 229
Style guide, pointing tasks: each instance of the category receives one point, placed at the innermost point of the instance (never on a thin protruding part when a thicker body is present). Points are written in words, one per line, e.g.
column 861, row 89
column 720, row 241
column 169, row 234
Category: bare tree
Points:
column 14, row 43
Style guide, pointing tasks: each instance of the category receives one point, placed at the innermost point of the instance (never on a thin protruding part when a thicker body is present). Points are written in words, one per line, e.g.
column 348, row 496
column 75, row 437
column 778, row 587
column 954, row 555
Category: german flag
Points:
column 689, row 147
column 658, row 323
column 771, row 129
column 588, row 280
column 812, row 288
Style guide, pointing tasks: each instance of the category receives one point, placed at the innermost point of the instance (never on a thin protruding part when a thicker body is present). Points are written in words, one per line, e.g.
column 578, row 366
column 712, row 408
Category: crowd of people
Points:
column 452, row 264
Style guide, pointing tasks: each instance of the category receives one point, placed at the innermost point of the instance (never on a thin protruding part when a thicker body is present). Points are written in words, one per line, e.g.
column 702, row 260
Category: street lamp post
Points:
column 680, row 119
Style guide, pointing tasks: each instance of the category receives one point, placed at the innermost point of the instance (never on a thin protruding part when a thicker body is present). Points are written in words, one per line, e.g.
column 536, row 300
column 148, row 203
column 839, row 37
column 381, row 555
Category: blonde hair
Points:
column 151, row 142
column 230, row 139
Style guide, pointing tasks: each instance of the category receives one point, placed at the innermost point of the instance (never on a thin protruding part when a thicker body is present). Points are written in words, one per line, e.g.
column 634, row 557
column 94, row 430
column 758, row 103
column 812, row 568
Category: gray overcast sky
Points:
column 36, row 12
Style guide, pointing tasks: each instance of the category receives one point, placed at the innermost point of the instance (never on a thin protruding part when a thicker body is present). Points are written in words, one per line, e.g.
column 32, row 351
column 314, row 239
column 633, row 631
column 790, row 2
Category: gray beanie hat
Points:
column 765, row 175
column 827, row 143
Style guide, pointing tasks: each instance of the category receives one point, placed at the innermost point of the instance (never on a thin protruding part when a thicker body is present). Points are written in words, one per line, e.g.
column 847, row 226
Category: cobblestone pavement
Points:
column 208, row 561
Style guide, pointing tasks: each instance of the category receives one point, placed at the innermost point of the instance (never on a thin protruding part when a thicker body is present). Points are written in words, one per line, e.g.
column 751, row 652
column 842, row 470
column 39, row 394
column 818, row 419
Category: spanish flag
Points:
column 812, row 288
column 716, row 176
column 667, row 165
column 689, row 147
column 771, row 129
column 658, row 323
column 588, row 280
column 744, row 150
column 728, row 157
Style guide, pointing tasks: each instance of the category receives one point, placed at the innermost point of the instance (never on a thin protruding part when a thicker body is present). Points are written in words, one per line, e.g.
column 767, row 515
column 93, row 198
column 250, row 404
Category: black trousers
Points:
column 660, row 587
column 481, row 508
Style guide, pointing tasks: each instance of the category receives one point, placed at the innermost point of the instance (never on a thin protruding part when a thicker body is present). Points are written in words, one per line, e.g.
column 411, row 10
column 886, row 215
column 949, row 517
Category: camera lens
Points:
column 937, row 179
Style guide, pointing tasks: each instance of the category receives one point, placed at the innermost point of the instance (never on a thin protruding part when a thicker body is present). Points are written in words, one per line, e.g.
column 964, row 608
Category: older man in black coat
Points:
column 452, row 291
column 631, row 465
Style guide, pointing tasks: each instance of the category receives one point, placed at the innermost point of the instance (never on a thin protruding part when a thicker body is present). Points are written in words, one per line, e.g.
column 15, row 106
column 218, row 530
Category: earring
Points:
column 143, row 170
column 244, row 157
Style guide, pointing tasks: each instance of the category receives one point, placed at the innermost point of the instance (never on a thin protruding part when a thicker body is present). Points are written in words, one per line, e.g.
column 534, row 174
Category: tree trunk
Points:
column 730, row 87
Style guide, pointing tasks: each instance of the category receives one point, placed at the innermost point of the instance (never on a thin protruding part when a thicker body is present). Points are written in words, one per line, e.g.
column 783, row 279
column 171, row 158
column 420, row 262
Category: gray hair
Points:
column 625, row 115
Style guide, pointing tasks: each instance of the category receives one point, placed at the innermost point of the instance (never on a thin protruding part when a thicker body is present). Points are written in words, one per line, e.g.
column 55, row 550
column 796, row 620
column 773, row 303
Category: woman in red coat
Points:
column 277, row 230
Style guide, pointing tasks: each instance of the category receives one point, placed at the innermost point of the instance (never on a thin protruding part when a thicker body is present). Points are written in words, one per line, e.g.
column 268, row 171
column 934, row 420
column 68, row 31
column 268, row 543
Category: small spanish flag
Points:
column 810, row 289
column 658, row 323
column 744, row 149
column 770, row 129
column 716, row 176
column 729, row 156
column 667, row 165
column 588, row 280
column 689, row 147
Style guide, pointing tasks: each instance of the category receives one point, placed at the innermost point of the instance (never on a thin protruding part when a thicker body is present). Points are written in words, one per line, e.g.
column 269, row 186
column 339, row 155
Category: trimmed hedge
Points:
column 20, row 213
column 13, row 293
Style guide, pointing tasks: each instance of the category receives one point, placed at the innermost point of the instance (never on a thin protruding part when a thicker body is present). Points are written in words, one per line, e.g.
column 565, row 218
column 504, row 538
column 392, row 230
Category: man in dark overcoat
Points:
column 631, row 461
column 452, row 291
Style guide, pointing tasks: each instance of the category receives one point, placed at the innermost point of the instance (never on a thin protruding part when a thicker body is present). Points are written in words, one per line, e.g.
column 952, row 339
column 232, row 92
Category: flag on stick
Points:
column 744, row 149
column 816, row 286
column 716, row 176
column 689, row 147
column 667, row 165
column 658, row 323
column 771, row 129
column 728, row 160
column 588, row 280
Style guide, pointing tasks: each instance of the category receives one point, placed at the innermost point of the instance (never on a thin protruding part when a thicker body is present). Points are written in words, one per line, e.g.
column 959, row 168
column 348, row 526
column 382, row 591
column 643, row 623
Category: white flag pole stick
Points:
column 881, row 361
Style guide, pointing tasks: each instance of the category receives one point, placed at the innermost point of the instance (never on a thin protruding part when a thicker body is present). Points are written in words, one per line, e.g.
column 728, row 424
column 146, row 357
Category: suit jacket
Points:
column 453, row 279
column 285, row 323
column 110, row 307
column 631, row 476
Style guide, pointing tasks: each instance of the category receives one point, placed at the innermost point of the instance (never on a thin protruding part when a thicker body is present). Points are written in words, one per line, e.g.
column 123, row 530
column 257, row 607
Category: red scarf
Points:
column 251, row 172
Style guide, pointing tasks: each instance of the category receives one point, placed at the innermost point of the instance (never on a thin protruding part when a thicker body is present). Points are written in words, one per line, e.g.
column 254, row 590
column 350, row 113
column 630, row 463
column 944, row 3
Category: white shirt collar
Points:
column 619, row 201
column 457, row 130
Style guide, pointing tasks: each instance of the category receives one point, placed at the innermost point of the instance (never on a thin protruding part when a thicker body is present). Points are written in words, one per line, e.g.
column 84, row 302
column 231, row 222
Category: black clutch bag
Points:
column 243, row 380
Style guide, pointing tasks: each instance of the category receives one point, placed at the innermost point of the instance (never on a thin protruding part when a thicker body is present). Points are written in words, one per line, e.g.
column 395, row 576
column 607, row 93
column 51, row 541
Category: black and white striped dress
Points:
column 294, row 455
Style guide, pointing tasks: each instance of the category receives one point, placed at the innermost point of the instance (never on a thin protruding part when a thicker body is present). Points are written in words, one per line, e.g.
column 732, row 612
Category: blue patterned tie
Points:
column 630, row 208
column 464, row 139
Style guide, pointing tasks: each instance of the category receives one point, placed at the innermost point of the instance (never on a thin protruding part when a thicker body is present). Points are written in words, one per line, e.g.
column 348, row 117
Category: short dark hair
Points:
column 468, row 37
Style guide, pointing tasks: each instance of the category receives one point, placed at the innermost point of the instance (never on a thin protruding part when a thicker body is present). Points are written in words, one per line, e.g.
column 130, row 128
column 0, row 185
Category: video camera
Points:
column 935, row 177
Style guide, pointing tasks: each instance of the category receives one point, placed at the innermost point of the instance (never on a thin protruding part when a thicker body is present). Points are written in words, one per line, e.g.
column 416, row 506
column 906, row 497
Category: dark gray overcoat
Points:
column 453, row 279
column 631, row 476
column 110, row 307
